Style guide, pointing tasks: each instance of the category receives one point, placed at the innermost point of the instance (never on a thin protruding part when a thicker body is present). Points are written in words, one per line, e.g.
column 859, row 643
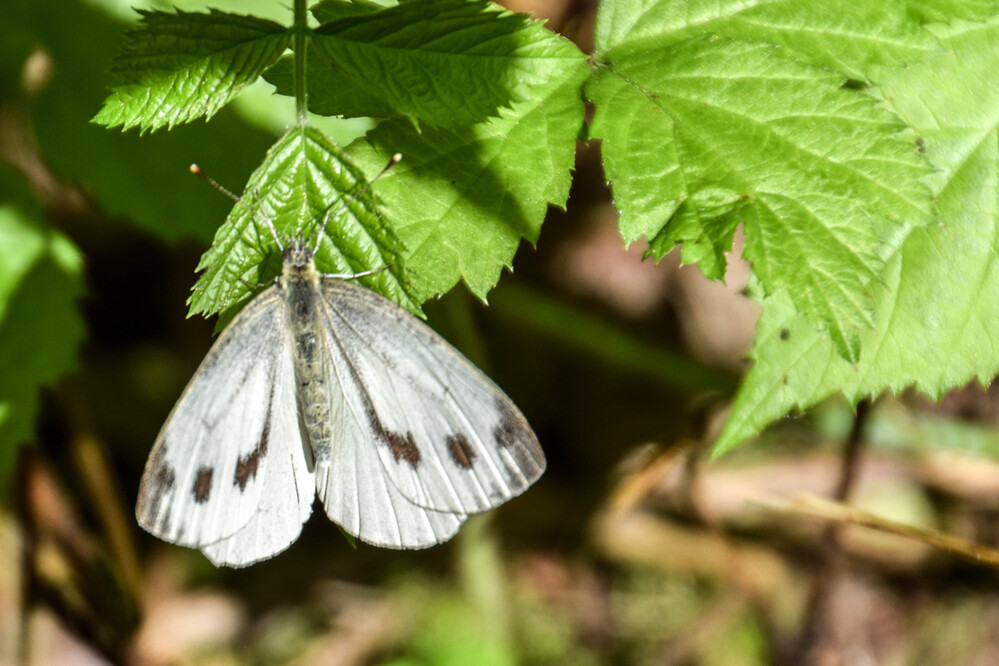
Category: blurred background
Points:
column 634, row 547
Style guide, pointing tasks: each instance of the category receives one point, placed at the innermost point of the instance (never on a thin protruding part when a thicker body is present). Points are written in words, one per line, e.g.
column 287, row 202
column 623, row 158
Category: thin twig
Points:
column 816, row 610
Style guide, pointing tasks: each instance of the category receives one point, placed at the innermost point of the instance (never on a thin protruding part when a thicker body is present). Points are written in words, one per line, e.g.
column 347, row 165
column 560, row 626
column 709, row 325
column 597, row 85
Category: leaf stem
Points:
column 301, row 40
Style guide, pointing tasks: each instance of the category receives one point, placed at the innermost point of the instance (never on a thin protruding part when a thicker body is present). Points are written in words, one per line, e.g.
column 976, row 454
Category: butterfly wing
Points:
column 286, row 499
column 448, row 439
column 234, row 426
column 359, row 497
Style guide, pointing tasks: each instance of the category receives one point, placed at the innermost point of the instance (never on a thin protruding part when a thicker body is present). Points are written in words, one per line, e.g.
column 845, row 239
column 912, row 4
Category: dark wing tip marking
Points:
column 164, row 478
column 513, row 434
column 157, row 483
column 203, row 484
column 510, row 430
column 461, row 451
column 403, row 446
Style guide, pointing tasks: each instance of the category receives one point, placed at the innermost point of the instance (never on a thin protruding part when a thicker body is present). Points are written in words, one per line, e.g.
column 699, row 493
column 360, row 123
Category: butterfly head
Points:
column 298, row 254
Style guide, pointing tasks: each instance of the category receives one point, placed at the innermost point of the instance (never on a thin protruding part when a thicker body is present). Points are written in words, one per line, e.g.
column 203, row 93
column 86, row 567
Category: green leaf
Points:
column 848, row 37
column 945, row 11
column 40, row 326
column 461, row 200
column 182, row 66
column 439, row 63
column 702, row 134
column 302, row 177
column 333, row 10
column 937, row 304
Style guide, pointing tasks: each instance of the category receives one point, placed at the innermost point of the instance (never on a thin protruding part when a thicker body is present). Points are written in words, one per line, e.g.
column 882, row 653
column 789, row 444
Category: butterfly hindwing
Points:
column 447, row 437
column 288, row 493
column 208, row 467
column 288, row 490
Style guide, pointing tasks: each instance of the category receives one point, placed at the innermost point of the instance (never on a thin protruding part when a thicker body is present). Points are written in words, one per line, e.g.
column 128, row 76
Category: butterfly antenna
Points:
column 259, row 216
column 330, row 212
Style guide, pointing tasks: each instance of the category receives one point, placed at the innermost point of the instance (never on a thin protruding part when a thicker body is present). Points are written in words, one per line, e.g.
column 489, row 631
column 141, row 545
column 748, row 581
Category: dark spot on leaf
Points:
column 784, row 334
column 920, row 145
column 460, row 450
column 203, row 484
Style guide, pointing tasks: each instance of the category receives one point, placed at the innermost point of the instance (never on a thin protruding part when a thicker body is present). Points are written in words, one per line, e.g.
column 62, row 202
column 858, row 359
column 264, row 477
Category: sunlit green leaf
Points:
column 303, row 176
column 462, row 200
column 937, row 305
column 707, row 132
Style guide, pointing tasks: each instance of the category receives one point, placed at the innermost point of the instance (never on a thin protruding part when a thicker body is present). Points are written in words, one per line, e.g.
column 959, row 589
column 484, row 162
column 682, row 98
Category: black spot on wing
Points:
column 403, row 446
column 246, row 466
column 203, row 484
column 461, row 451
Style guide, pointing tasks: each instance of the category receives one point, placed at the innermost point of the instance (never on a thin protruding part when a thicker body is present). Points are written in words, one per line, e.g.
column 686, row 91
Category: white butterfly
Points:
column 320, row 386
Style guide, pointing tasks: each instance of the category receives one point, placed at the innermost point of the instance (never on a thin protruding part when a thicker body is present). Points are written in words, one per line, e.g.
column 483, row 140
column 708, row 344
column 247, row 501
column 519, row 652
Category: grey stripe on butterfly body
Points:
column 320, row 386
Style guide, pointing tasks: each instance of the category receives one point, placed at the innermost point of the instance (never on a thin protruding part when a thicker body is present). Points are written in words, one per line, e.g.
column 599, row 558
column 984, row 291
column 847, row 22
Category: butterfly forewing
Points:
column 204, row 477
column 446, row 436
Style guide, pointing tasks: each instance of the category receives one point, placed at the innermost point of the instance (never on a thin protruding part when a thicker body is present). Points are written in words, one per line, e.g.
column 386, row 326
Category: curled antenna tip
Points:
column 195, row 169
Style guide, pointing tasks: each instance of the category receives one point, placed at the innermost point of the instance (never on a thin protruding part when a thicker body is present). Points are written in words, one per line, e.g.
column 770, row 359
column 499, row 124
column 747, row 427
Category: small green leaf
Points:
column 937, row 305
column 302, row 177
column 437, row 62
column 704, row 133
column 461, row 200
column 179, row 67
column 40, row 325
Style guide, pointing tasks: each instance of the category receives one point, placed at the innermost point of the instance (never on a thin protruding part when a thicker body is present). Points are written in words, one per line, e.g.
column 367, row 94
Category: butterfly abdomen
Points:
column 311, row 356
